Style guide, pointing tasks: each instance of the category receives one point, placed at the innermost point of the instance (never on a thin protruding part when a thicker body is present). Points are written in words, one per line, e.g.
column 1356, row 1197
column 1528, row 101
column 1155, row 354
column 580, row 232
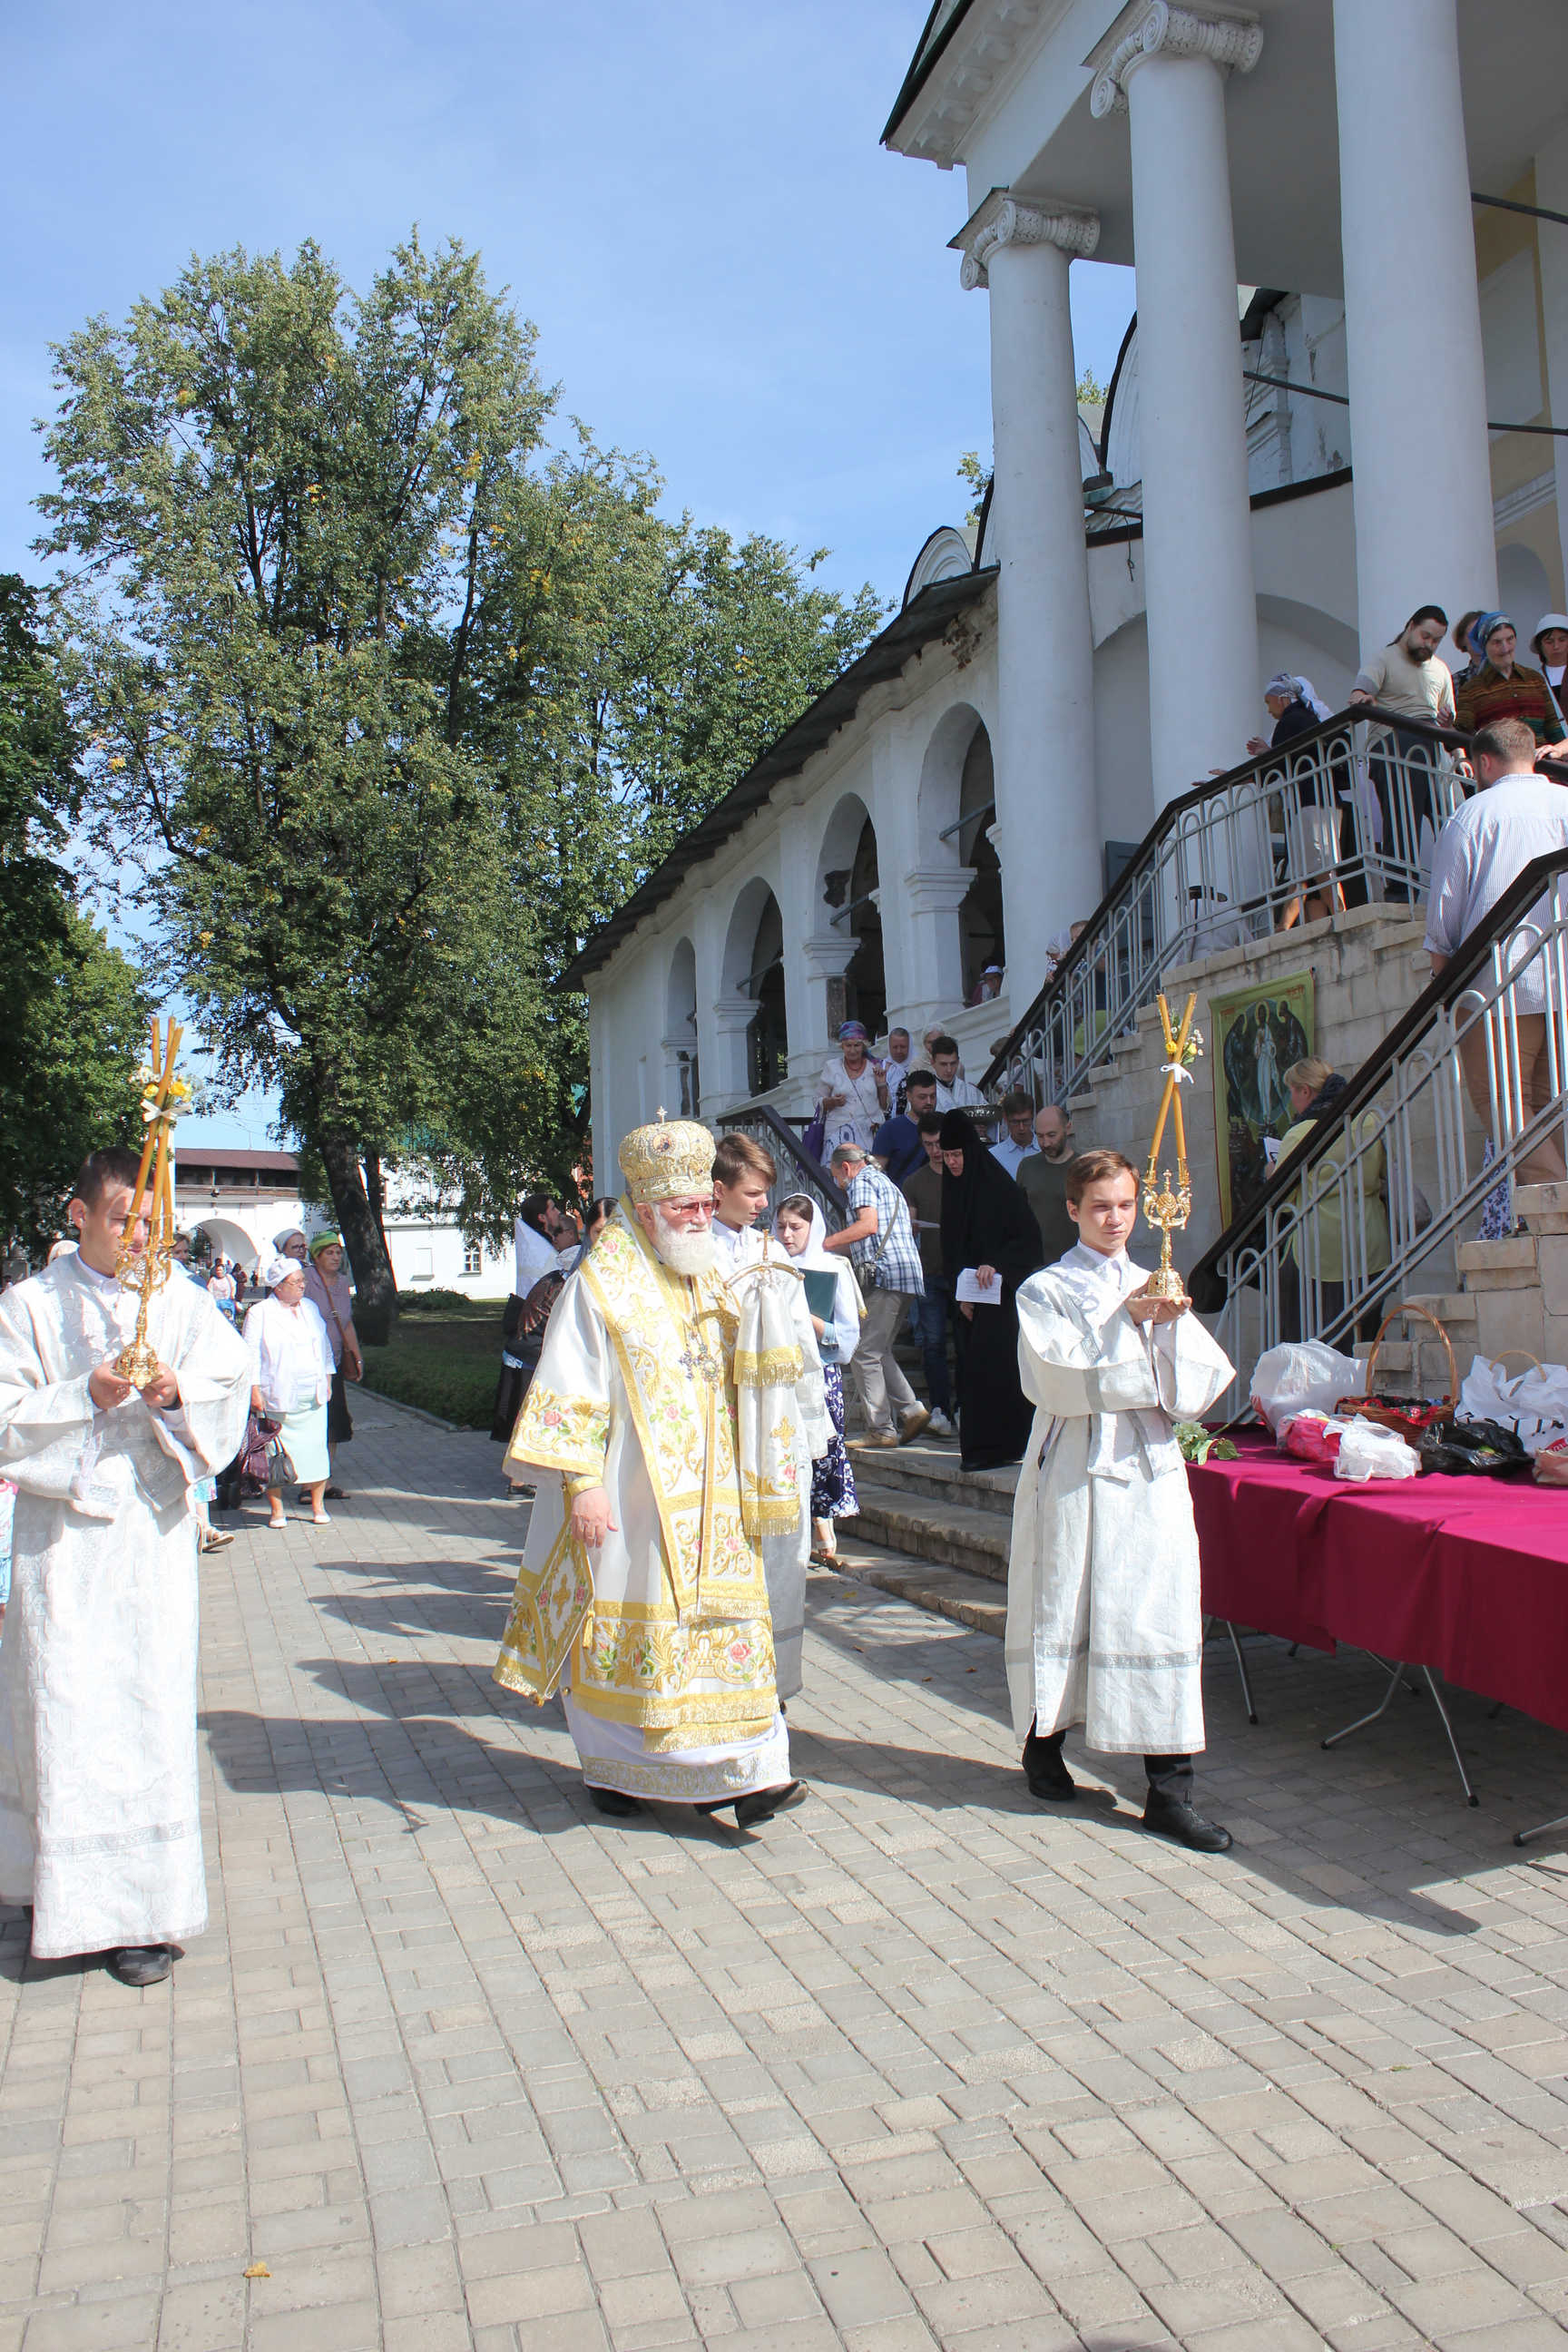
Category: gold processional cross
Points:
column 1167, row 1206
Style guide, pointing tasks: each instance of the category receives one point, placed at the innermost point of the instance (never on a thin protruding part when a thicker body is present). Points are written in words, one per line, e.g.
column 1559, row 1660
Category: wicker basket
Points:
column 1408, row 1415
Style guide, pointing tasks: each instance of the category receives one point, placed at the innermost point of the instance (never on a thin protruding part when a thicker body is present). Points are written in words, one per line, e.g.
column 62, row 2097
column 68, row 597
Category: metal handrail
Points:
column 1341, row 806
column 806, row 1174
column 1407, row 1102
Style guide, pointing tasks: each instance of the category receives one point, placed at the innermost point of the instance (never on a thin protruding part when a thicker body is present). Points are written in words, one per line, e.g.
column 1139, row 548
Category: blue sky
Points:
column 685, row 196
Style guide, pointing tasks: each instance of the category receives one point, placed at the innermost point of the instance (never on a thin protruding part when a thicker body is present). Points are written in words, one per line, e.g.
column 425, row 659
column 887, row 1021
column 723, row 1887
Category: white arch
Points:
column 750, row 905
column 942, row 775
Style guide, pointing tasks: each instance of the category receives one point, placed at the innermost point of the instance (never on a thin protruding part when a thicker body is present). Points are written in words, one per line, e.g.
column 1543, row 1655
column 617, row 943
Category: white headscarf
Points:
column 1299, row 689
column 818, row 1258
column 277, row 1269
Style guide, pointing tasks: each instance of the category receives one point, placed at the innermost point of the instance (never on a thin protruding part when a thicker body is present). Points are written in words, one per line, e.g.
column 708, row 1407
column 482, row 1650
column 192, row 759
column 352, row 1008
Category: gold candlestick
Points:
column 1167, row 1205
column 145, row 1271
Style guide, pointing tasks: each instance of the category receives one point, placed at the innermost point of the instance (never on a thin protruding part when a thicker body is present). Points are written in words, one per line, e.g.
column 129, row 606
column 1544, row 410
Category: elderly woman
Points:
column 1311, row 811
column 327, row 1288
column 851, row 1093
column 1320, row 1247
column 291, row 1378
column 1505, row 688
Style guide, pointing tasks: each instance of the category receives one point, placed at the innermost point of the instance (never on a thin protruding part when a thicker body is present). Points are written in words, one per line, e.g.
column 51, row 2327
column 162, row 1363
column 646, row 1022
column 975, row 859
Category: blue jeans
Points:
column 928, row 1329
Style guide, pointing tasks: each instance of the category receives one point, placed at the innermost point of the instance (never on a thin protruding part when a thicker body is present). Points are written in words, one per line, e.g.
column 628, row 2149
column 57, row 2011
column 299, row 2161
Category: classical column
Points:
column 933, row 896
column 1552, row 244
column 1044, row 738
column 825, row 956
column 1422, row 492
column 733, row 1018
column 1168, row 73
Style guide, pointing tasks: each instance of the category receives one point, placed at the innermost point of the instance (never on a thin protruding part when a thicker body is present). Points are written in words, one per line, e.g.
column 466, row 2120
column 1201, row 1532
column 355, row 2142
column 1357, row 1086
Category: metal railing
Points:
column 1393, row 1169
column 798, row 1170
column 1339, row 818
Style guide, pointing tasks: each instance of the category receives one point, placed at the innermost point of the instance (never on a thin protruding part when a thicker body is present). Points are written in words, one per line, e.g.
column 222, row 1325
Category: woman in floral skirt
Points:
column 798, row 1225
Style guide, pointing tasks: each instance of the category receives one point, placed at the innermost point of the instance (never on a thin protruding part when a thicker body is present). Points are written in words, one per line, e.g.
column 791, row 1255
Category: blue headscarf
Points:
column 1481, row 630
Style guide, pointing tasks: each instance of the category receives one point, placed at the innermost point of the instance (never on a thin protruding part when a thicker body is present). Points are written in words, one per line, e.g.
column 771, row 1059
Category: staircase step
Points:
column 973, row 1600
column 1515, row 1253
column 932, row 1528
column 1447, row 1305
column 932, row 1466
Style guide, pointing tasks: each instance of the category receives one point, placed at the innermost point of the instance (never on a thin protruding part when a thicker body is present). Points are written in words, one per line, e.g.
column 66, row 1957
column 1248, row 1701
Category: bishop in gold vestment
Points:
column 642, row 1593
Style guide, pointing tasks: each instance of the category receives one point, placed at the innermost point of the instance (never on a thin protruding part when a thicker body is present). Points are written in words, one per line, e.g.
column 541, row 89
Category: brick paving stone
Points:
column 918, row 2067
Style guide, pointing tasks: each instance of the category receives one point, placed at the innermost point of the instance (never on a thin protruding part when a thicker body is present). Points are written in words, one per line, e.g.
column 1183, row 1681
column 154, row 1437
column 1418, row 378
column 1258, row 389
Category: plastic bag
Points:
column 1534, row 1404
column 1368, row 1451
column 1312, row 1436
column 1552, row 1464
column 1291, row 1378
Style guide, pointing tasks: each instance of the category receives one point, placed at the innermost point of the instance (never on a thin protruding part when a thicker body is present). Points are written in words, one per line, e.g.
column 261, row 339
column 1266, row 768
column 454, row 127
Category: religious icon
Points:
column 1257, row 1033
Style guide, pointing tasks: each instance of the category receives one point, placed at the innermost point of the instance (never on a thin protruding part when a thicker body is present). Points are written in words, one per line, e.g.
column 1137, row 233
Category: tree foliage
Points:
column 73, row 1026
column 391, row 700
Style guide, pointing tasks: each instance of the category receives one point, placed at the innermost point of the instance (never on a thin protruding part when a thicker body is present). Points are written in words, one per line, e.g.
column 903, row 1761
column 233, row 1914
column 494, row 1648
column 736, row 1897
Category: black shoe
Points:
column 615, row 1801
column 335, row 1495
column 751, row 1811
column 141, row 1964
column 1058, row 1788
column 1172, row 1817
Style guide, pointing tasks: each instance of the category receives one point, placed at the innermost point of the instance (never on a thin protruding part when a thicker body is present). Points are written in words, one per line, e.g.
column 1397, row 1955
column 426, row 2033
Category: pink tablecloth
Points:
column 1469, row 1576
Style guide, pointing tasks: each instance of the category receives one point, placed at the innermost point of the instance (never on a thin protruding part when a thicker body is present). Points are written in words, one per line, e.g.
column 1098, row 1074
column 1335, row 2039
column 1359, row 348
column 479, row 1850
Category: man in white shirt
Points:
column 1484, row 846
column 1018, row 1143
column 954, row 1091
column 539, row 1234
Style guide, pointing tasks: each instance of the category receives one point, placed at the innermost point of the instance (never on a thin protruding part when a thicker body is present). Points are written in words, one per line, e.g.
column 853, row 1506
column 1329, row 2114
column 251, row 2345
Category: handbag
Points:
column 280, row 1469
column 814, row 1142
column 1408, row 1415
column 254, row 1448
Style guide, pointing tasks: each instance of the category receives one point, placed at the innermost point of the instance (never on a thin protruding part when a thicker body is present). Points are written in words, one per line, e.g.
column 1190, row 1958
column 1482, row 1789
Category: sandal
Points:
column 215, row 1538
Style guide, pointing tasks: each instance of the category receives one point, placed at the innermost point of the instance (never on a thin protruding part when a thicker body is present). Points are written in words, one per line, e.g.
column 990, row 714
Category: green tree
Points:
column 391, row 702
column 75, row 1016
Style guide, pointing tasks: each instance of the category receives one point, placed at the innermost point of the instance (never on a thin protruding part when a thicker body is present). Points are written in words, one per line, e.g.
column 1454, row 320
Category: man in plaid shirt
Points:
column 882, row 1249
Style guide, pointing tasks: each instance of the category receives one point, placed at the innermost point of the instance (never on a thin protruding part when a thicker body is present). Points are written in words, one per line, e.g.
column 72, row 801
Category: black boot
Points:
column 613, row 1802
column 1044, row 1769
column 1169, row 1809
column 141, row 1964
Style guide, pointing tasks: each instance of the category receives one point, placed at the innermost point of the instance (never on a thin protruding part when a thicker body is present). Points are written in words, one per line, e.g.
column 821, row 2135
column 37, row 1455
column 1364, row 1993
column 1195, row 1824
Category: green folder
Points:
column 821, row 1293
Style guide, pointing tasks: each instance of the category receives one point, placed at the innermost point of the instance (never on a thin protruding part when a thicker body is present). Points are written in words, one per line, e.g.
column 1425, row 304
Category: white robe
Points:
column 785, row 1557
column 1104, row 1608
column 670, row 1692
column 99, row 1808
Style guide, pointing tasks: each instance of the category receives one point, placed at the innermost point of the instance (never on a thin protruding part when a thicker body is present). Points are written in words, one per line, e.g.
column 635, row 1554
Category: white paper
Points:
column 967, row 1290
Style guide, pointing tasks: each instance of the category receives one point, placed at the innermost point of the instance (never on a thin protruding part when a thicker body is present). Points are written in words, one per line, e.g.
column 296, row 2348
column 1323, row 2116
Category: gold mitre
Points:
column 668, row 1161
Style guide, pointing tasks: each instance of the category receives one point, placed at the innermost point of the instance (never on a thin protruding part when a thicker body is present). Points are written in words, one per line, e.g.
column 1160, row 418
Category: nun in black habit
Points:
column 987, row 1228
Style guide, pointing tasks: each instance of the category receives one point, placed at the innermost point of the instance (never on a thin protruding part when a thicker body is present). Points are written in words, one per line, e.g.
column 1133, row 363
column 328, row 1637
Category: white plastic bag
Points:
column 1290, row 1378
column 1367, row 1449
column 1534, row 1403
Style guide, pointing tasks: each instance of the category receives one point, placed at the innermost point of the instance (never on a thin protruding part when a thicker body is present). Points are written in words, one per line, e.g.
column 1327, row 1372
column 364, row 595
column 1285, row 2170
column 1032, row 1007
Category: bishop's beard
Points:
column 683, row 1252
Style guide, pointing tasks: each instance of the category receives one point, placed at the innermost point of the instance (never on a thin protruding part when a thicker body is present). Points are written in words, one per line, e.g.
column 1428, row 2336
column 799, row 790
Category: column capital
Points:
column 1006, row 219
column 829, row 953
column 1153, row 28
column 937, row 889
column 733, row 1014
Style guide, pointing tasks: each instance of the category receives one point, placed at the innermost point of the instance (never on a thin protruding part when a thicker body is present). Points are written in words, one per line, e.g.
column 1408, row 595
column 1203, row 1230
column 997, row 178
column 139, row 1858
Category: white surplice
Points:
column 786, row 1555
column 99, row 1808
column 1104, row 1611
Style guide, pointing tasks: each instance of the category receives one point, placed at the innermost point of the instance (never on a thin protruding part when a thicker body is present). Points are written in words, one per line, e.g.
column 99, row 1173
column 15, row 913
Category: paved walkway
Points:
column 460, row 2062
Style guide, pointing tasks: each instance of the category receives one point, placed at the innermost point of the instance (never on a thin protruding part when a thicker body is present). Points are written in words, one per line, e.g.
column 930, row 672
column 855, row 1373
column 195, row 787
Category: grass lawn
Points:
column 447, row 1362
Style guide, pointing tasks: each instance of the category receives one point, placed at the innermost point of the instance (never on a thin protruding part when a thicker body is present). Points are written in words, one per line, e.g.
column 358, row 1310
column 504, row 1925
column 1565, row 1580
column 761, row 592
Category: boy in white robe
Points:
column 100, row 1804
column 743, row 1175
column 1104, row 1608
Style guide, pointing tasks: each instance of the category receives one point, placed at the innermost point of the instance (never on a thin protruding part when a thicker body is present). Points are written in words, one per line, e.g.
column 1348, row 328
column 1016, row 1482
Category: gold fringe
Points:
column 774, row 1367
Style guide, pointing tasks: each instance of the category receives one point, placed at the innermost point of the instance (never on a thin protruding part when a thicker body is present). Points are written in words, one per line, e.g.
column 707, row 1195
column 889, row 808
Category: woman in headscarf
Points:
column 799, row 1225
column 988, row 1230
column 851, row 1092
column 291, row 1379
column 1504, row 687
column 1311, row 802
column 1549, row 646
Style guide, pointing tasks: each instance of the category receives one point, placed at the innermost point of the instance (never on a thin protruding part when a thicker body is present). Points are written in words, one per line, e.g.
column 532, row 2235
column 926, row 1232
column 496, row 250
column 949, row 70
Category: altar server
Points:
column 99, row 1805
column 642, row 1592
column 1104, row 1614
column 744, row 1172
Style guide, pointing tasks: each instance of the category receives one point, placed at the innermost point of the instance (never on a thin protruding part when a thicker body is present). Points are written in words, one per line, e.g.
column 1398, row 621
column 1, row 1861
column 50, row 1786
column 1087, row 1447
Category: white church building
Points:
column 1349, row 225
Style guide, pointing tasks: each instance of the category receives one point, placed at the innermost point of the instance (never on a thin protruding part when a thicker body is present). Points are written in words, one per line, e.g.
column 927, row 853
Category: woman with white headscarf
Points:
column 799, row 1223
column 1311, row 809
column 291, row 1379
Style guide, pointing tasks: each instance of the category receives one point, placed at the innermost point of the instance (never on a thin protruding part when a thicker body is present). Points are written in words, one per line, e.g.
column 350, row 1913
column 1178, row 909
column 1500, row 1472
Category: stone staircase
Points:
column 932, row 1532
column 1513, row 1302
